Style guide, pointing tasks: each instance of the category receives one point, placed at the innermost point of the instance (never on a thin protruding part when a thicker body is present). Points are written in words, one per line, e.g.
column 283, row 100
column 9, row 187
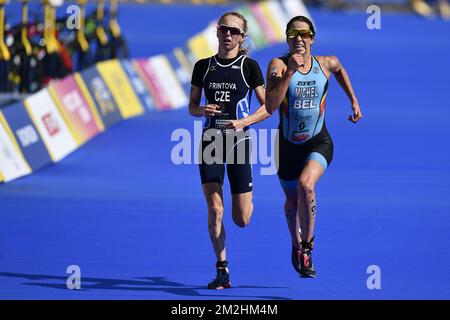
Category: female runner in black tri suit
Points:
column 227, row 79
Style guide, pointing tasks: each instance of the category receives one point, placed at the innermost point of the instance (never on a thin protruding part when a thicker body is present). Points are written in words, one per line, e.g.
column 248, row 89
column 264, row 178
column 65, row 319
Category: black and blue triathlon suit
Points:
column 229, row 84
column 303, row 134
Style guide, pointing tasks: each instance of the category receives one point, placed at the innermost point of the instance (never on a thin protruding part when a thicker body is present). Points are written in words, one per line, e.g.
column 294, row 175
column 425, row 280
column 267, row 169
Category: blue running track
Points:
column 136, row 224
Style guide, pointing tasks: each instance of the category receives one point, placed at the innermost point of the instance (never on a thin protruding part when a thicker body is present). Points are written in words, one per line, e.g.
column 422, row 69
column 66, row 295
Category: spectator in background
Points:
column 423, row 8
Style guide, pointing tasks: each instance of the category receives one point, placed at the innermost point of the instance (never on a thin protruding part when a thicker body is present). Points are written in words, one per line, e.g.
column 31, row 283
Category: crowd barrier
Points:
column 49, row 125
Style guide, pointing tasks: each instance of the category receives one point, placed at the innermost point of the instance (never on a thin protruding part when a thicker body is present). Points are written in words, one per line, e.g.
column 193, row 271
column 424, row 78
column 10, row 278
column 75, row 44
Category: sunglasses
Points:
column 304, row 33
column 233, row 30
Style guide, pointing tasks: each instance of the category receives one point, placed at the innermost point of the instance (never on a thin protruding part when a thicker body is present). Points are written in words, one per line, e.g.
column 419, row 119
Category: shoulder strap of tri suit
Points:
column 242, row 70
column 316, row 61
column 285, row 59
column 207, row 69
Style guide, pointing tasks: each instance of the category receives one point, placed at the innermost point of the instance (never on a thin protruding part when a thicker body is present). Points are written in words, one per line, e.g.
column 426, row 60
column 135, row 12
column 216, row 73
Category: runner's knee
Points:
column 241, row 216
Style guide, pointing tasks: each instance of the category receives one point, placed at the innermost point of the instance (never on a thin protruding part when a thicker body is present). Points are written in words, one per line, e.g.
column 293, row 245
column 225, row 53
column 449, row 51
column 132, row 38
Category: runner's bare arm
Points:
column 334, row 66
column 259, row 115
column 194, row 104
column 278, row 78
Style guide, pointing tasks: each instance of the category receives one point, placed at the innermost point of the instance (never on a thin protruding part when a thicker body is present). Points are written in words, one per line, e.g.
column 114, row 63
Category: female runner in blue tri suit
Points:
column 298, row 84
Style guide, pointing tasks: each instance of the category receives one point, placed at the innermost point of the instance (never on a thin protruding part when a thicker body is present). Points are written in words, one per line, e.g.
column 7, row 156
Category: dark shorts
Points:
column 234, row 150
column 292, row 157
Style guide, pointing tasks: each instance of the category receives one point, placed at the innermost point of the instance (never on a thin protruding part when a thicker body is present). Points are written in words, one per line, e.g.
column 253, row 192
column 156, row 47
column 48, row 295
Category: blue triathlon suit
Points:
column 303, row 135
column 228, row 84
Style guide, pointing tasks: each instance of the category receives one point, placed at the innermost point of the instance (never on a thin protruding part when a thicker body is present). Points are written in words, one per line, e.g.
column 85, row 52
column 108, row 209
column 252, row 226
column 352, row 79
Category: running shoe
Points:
column 222, row 280
column 295, row 258
column 306, row 265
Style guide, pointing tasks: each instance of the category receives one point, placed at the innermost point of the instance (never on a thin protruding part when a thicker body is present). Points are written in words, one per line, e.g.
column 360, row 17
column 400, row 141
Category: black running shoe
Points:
column 306, row 265
column 295, row 258
column 222, row 280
